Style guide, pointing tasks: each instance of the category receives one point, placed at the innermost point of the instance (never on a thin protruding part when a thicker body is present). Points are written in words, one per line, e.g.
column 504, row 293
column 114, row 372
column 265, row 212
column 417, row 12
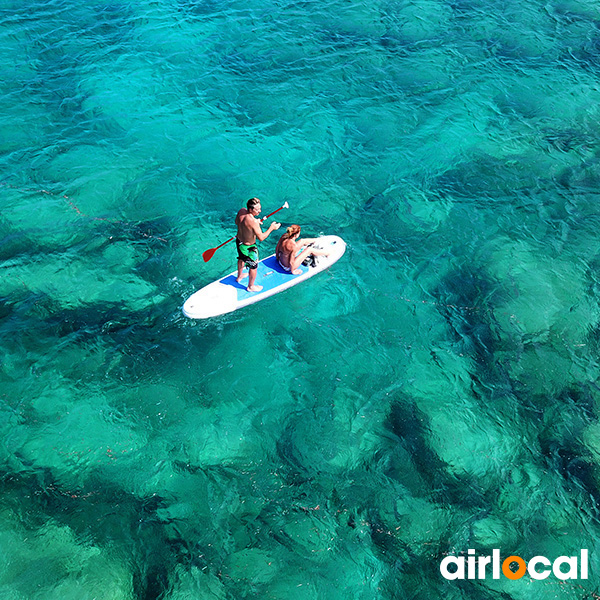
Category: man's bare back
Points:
column 246, row 224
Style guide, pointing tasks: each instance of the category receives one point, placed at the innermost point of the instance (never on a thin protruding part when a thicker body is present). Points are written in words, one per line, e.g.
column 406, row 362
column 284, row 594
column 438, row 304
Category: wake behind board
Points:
column 227, row 295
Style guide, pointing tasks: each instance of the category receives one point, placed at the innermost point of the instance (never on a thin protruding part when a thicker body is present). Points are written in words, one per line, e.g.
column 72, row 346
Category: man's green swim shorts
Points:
column 247, row 253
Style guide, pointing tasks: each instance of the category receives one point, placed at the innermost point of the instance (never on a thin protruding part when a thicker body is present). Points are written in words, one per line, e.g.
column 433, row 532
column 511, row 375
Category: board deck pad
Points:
column 227, row 294
column 270, row 275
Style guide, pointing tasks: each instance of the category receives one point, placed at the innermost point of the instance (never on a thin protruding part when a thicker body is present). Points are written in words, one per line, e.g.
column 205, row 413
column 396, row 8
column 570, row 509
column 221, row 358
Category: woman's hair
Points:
column 291, row 231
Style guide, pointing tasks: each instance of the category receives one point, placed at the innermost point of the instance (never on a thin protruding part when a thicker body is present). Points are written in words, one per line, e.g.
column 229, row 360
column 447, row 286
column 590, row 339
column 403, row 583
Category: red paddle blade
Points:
column 208, row 254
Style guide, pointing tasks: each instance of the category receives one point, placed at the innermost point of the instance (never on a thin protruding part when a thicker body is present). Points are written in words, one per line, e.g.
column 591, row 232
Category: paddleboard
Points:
column 226, row 294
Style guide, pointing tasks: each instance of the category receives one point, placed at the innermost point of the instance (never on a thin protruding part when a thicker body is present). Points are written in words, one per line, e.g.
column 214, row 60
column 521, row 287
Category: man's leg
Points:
column 241, row 273
column 251, row 279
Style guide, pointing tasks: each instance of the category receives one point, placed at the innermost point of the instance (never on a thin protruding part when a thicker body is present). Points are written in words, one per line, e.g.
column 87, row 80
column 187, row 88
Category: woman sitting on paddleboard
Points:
column 291, row 251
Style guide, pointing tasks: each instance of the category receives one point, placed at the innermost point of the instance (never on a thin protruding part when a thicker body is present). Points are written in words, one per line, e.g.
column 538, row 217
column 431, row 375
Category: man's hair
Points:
column 252, row 203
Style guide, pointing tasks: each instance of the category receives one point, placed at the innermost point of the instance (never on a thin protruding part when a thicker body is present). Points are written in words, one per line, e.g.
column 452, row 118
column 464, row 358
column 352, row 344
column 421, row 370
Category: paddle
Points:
column 208, row 254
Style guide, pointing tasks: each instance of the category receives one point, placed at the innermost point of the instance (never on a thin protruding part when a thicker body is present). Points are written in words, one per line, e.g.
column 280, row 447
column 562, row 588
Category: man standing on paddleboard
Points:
column 248, row 230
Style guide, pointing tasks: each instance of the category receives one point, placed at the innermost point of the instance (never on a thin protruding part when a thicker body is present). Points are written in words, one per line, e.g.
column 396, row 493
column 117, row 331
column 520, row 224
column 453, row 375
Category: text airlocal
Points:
column 539, row 567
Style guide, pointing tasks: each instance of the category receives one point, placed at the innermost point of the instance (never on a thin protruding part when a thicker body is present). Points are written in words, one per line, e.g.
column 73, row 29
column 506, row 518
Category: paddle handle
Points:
column 286, row 205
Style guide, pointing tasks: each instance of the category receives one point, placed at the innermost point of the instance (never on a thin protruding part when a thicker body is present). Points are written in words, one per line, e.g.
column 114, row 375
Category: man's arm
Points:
column 262, row 236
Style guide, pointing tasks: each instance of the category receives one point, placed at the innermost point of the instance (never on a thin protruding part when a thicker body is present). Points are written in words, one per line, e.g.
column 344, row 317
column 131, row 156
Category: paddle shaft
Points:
column 286, row 205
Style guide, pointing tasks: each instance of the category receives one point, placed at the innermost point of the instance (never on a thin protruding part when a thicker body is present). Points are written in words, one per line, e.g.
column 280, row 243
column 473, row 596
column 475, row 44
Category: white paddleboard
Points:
column 226, row 294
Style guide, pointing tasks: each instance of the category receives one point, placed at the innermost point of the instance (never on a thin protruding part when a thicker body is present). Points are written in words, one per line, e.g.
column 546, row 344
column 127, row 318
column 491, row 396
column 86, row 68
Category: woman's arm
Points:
column 306, row 241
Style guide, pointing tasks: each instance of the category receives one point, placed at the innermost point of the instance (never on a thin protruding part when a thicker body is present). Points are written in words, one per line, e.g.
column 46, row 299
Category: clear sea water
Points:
column 434, row 391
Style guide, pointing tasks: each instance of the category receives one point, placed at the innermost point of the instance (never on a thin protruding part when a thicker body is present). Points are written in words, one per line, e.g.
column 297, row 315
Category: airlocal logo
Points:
column 539, row 567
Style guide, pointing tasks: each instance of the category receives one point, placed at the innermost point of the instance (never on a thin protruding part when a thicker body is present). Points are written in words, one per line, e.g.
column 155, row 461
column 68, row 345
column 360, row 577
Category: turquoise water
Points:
column 434, row 391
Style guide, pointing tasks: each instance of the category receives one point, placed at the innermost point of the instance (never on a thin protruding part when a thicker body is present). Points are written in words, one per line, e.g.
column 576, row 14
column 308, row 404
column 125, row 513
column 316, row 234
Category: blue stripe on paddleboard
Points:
column 270, row 275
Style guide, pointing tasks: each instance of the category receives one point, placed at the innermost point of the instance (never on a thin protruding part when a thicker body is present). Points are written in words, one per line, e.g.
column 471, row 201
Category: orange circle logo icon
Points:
column 519, row 572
